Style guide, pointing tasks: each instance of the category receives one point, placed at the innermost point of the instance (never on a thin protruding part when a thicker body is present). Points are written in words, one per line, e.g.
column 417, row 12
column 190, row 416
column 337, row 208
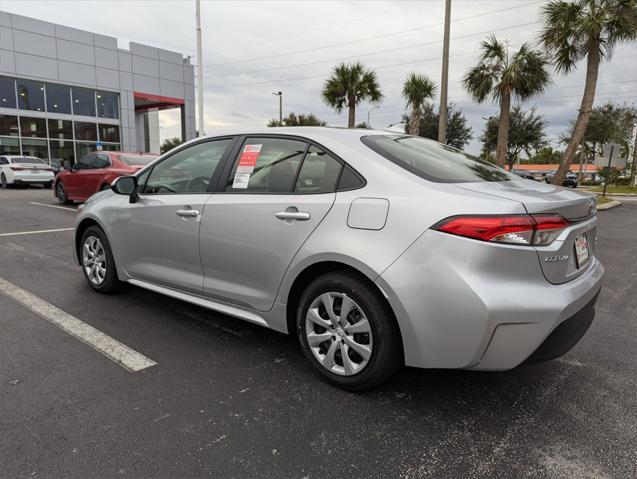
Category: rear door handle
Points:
column 293, row 215
column 188, row 213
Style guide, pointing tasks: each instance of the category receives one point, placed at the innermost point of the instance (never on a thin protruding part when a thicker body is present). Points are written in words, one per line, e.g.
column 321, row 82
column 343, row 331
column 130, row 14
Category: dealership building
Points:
column 65, row 92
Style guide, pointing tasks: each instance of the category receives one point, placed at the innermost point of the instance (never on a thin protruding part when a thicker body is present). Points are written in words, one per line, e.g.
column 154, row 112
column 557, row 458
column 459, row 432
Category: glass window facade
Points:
column 30, row 95
column 58, row 98
column 32, row 127
column 7, row 92
column 54, row 134
column 107, row 104
column 62, row 129
column 9, row 125
column 83, row 101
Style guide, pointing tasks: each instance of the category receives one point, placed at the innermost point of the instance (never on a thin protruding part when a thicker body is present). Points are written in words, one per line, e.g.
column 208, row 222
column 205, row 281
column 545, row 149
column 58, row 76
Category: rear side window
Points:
column 434, row 161
column 267, row 165
column 319, row 172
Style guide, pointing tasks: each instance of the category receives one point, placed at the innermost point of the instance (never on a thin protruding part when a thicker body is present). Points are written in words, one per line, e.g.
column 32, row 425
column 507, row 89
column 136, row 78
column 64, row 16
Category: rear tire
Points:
column 368, row 335
column 60, row 193
column 3, row 181
column 98, row 263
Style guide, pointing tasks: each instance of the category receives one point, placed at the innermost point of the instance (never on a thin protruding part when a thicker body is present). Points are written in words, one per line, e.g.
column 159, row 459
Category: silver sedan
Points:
column 375, row 249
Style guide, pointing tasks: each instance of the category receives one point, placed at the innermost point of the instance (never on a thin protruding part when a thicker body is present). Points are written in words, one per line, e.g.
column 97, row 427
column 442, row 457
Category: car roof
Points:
column 311, row 132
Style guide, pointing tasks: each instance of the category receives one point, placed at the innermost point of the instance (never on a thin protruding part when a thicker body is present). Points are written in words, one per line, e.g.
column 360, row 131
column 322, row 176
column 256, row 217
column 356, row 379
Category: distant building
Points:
column 65, row 92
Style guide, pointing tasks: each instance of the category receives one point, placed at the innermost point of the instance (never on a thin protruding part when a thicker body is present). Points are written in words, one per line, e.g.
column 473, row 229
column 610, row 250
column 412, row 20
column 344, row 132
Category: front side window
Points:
column 7, row 92
column 187, row 171
column 434, row 161
column 58, row 98
column 319, row 172
column 85, row 162
column 267, row 165
column 30, row 95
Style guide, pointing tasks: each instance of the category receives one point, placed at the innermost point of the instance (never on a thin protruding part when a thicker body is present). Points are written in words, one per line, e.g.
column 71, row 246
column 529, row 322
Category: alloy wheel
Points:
column 338, row 333
column 94, row 260
column 60, row 193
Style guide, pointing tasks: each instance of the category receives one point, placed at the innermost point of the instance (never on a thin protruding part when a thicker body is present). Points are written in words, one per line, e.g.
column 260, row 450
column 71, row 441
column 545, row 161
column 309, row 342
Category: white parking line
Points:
column 35, row 232
column 53, row 206
column 126, row 357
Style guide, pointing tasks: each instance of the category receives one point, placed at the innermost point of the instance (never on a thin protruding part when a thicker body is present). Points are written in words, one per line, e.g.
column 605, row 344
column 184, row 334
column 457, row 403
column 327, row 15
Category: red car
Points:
column 95, row 172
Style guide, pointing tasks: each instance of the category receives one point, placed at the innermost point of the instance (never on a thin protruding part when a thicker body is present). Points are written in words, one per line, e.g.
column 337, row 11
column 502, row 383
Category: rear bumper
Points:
column 33, row 179
column 465, row 304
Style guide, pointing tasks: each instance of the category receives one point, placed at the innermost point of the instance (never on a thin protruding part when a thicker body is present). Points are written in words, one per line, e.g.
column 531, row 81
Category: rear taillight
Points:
column 537, row 230
column 17, row 168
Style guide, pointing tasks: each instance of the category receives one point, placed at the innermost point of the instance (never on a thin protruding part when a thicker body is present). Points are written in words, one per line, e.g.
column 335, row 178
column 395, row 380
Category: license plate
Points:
column 581, row 250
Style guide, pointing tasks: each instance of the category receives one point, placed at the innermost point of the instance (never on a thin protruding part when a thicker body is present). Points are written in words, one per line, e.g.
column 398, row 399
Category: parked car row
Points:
column 570, row 180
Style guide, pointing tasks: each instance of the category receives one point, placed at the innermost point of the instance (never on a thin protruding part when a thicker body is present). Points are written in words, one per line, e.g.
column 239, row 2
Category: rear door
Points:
column 275, row 192
column 93, row 177
column 157, row 237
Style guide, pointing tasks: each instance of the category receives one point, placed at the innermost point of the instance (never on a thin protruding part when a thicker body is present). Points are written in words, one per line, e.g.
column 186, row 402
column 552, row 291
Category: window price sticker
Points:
column 247, row 162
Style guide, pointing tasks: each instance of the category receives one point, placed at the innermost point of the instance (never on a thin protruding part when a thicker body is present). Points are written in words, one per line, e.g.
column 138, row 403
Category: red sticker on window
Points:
column 250, row 155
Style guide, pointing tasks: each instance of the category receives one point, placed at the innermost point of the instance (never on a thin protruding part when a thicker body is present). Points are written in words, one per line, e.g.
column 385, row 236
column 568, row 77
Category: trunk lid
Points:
column 560, row 261
column 539, row 197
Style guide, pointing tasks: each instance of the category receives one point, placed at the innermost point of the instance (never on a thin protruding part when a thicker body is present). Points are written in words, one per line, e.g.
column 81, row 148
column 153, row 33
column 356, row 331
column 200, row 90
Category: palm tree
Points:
column 585, row 29
column 499, row 76
column 416, row 91
column 348, row 86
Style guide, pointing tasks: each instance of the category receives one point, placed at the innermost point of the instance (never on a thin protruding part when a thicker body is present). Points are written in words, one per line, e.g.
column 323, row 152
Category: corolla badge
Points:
column 555, row 259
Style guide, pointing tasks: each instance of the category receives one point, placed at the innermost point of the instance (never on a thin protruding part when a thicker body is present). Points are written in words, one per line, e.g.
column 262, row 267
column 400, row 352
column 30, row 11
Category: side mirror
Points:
column 127, row 186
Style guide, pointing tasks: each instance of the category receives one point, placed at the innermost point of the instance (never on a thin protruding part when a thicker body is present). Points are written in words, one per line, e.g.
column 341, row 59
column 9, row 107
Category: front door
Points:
column 75, row 181
column 100, row 162
column 157, row 236
column 276, row 194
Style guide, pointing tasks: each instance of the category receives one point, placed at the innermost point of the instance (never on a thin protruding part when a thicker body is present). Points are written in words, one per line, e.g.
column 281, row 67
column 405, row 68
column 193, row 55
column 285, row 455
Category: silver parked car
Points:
column 376, row 249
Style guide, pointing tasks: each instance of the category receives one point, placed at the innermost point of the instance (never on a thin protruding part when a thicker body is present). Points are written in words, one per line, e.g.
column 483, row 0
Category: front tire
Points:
column 348, row 332
column 98, row 263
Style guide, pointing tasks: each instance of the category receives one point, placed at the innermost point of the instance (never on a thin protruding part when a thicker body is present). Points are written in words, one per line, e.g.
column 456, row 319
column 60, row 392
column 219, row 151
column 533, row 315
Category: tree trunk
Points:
column 351, row 122
column 503, row 130
column 585, row 110
column 414, row 122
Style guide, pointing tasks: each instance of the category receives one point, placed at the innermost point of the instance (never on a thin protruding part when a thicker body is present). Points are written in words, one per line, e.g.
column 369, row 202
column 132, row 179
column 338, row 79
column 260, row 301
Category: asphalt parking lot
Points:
column 230, row 399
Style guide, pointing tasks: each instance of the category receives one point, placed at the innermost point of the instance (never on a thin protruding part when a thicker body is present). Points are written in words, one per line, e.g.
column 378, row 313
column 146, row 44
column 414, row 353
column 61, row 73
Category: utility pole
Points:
column 442, row 117
column 369, row 124
column 199, row 70
column 280, row 95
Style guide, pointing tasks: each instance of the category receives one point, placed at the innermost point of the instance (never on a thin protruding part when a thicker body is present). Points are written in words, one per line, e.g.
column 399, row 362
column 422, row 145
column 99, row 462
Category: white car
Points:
column 25, row 170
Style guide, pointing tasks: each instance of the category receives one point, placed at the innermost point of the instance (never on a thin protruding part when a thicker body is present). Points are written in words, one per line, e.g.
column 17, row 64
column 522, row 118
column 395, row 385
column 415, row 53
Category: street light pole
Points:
column 442, row 117
column 199, row 70
column 369, row 124
column 280, row 95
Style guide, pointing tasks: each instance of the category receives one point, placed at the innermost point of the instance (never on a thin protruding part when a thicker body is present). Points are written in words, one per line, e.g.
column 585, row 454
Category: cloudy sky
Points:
column 253, row 48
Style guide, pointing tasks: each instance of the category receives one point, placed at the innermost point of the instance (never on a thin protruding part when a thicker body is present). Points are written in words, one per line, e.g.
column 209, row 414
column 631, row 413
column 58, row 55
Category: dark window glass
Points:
column 109, row 133
column 8, row 125
column 9, row 146
column 107, row 104
column 25, row 160
column 349, row 180
column 7, row 92
column 101, row 160
column 85, row 162
column 137, row 160
column 62, row 129
column 267, row 165
column 83, row 101
column 189, row 170
column 81, row 149
column 58, row 98
column 111, row 147
column 61, row 150
column 434, row 161
column 38, row 148
column 85, row 131
column 33, row 127
column 3, row 161
column 319, row 172
column 30, row 95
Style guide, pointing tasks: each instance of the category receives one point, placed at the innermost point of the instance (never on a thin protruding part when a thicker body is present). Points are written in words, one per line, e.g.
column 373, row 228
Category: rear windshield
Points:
column 434, row 161
column 29, row 161
column 137, row 160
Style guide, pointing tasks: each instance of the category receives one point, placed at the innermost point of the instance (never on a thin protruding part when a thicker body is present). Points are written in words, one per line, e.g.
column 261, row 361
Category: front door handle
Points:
column 293, row 215
column 188, row 213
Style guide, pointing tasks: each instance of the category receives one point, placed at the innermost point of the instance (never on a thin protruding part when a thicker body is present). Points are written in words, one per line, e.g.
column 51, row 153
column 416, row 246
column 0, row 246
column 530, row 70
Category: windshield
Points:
column 137, row 160
column 28, row 160
column 434, row 161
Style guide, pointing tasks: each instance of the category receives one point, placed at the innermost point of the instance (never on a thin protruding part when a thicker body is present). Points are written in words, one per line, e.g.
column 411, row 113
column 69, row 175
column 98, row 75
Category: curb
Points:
column 608, row 206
